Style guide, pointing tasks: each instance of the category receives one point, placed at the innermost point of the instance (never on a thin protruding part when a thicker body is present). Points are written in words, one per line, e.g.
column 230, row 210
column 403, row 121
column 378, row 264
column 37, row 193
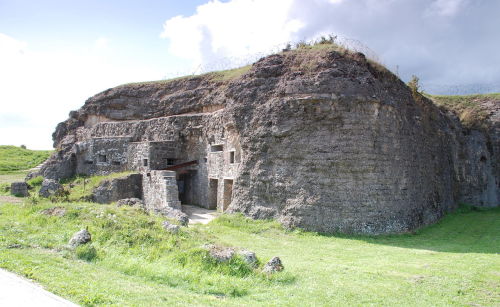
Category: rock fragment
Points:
column 81, row 237
column 220, row 253
column 19, row 189
column 249, row 257
column 172, row 228
column 274, row 265
column 131, row 202
column 49, row 188
column 175, row 214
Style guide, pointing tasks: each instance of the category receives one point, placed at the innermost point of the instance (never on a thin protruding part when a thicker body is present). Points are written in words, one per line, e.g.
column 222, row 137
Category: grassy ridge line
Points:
column 468, row 108
column 14, row 158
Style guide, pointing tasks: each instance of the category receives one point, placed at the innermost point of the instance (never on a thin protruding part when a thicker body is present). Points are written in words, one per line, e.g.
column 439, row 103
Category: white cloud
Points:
column 232, row 29
column 419, row 37
column 40, row 88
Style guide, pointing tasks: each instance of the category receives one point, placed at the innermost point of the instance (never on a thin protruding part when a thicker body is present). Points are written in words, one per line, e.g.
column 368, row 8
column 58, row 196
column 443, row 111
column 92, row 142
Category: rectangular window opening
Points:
column 145, row 162
column 101, row 158
column 217, row 148
column 231, row 157
column 170, row 161
column 116, row 163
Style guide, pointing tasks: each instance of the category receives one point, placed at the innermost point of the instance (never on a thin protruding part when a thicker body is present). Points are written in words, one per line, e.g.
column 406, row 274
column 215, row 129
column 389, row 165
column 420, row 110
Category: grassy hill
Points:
column 472, row 110
column 132, row 261
column 14, row 158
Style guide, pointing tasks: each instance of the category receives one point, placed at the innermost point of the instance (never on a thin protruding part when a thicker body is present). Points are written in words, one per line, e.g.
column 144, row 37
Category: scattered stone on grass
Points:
column 19, row 188
column 49, row 188
column 54, row 211
column 175, row 214
column 249, row 257
column 81, row 237
column 220, row 253
column 274, row 265
column 172, row 228
column 131, row 202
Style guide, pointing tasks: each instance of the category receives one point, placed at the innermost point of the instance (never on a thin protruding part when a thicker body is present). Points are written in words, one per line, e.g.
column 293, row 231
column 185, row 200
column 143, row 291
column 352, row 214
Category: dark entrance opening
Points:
column 228, row 193
column 212, row 194
column 185, row 183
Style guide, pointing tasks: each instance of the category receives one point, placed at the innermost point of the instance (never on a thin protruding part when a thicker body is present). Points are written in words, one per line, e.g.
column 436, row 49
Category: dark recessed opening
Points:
column 148, row 174
column 89, row 162
column 170, row 161
column 217, row 148
column 101, row 158
column 145, row 162
column 483, row 159
column 205, row 159
column 231, row 157
column 116, row 163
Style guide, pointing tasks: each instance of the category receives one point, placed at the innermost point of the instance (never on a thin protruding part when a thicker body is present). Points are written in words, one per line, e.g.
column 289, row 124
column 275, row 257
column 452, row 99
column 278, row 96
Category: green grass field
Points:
column 14, row 158
column 132, row 261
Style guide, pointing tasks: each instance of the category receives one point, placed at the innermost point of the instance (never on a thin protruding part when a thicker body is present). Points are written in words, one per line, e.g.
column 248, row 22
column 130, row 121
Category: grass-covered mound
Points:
column 132, row 260
column 14, row 158
column 470, row 109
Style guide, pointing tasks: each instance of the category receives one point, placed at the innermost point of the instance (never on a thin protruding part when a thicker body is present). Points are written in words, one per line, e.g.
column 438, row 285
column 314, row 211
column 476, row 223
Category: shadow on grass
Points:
column 467, row 230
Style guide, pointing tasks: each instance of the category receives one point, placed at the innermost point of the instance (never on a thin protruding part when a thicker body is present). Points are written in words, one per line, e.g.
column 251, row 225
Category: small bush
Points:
column 86, row 252
column 414, row 85
column 4, row 188
column 35, row 182
column 61, row 195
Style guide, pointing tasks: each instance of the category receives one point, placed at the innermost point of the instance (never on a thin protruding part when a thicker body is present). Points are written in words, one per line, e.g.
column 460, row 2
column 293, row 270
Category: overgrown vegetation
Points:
column 468, row 107
column 132, row 260
column 80, row 188
column 14, row 158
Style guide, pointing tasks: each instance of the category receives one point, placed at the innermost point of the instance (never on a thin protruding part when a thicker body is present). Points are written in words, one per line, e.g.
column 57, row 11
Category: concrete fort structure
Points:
column 316, row 138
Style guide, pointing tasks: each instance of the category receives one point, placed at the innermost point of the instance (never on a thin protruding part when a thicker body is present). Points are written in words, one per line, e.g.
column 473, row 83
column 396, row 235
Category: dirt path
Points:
column 198, row 215
column 17, row 291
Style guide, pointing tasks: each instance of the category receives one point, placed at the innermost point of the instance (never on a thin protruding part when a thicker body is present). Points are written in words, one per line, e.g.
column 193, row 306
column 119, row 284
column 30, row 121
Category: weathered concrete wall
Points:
column 315, row 138
column 100, row 156
column 115, row 189
column 160, row 190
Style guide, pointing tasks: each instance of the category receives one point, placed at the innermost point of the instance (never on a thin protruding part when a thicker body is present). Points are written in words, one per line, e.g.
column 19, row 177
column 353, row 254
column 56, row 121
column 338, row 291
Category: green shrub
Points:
column 4, row 188
column 35, row 182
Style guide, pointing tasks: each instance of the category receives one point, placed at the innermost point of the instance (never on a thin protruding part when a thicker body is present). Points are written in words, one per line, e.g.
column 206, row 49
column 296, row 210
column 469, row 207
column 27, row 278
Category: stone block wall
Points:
column 160, row 190
column 118, row 188
column 19, row 189
column 101, row 156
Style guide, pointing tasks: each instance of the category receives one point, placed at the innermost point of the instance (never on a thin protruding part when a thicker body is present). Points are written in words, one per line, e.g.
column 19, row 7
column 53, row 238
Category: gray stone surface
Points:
column 172, row 228
column 174, row 214
column 249, row 257
column 81, row 237
column 314, row 138
column 19, row 189
column 129, row 186
column 131, row 202
column 274, row 265
column 220, row 253
column 49, row 187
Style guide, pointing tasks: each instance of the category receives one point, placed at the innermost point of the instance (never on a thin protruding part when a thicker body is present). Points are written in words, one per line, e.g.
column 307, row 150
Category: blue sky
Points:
column 56, row 54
